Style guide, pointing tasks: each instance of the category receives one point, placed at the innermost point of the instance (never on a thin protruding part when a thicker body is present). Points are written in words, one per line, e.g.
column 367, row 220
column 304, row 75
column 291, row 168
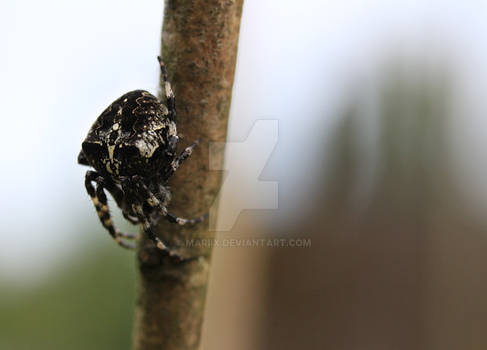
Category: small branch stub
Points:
column 199, row 48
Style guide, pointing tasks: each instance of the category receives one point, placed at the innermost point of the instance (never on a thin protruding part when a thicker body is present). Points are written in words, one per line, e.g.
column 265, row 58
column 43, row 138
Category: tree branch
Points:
column 199, row 47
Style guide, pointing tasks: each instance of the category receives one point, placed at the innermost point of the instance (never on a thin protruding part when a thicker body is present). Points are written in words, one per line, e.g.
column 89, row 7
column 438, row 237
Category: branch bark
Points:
column 199, row 47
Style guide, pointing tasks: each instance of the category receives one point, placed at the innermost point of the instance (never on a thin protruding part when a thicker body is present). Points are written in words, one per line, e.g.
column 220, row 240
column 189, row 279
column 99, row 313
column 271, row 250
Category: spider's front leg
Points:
column 99, row 199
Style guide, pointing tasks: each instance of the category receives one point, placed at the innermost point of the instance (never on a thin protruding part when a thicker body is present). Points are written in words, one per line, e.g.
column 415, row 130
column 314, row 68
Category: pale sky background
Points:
column 63, row 62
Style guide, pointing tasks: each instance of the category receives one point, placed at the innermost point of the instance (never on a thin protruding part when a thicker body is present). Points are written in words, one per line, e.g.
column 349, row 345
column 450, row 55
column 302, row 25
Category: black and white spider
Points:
column 132, row 147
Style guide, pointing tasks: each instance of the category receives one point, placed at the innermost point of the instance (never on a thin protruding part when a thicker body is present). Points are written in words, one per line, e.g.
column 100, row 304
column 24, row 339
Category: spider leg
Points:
column 171, row 107
column 182, row 221
column 155, row 203
column 170, row 99
column 176, row 163
column 119, row 198
column 173, row 140
column 144, row 192
column 99, row 199
column 137, row 190
column 147, row 227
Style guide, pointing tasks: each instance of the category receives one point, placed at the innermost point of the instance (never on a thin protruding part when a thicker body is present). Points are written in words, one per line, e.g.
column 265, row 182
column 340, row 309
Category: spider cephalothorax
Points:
column 132, row 147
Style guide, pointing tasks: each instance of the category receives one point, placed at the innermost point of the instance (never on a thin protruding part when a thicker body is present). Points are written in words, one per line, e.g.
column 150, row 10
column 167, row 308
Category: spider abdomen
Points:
column 130, row 137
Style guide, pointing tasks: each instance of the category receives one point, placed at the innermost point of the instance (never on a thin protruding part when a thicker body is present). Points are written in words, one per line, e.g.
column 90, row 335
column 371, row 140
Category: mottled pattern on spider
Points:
column 132, row 147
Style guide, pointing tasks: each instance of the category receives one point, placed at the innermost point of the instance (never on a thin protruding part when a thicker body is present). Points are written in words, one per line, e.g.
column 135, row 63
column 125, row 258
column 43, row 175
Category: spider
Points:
column 132, row 147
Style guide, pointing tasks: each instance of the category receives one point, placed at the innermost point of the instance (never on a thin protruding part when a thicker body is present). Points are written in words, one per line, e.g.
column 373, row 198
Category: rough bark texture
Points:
column 199, row 47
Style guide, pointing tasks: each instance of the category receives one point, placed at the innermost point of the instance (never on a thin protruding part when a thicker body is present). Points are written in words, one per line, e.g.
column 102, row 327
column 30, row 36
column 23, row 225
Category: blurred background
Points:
column 379, row 162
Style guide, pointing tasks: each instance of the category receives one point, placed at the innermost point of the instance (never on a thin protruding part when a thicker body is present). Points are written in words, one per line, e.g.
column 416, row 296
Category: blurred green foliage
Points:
column 88, row 305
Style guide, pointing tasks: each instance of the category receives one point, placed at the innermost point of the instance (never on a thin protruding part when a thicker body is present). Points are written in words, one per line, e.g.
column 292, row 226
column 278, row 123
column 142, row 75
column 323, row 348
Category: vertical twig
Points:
column 199, row 47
